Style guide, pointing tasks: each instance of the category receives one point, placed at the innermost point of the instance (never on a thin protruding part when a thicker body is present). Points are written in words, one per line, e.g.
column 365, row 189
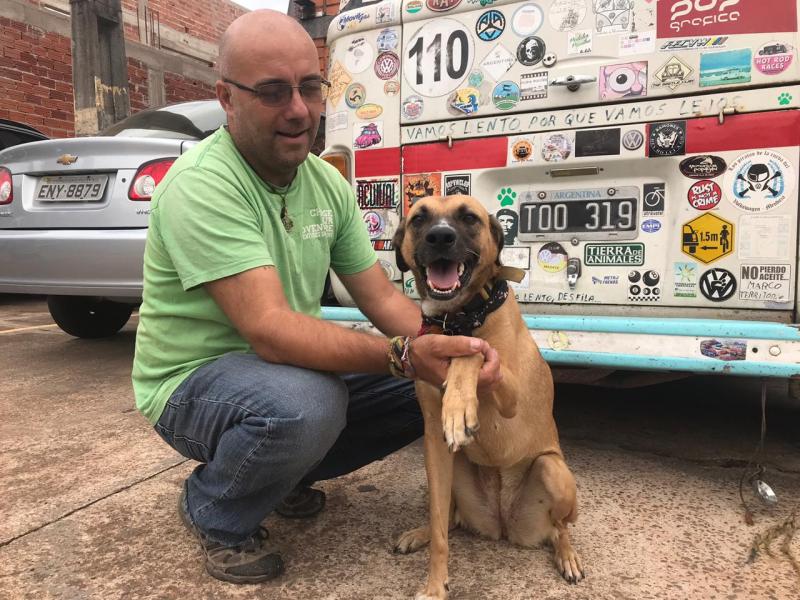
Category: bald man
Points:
column 233, row 366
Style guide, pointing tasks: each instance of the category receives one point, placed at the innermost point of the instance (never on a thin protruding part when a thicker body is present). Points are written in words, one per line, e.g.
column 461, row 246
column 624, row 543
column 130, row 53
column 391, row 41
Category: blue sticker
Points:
column 725, row 68
column 505, row 95
column 651, row 226
column 490, row 25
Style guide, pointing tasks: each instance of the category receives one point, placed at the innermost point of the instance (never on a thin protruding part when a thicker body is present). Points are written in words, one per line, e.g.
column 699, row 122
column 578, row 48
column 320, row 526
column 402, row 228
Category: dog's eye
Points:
column 469, row 218
column 417, row 220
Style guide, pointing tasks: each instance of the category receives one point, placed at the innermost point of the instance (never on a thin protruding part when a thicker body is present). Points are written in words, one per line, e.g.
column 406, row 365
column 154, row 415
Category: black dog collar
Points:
column 474, row 312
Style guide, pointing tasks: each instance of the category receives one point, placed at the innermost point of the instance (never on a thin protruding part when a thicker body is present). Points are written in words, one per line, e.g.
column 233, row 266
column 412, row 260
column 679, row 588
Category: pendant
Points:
column 286, row 220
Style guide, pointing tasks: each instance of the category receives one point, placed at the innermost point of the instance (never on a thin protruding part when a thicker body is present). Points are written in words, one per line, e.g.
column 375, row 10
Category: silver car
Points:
column 73, row 213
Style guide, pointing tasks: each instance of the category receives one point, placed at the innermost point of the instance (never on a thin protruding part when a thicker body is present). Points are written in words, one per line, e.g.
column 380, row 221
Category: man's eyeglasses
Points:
column 279, row 93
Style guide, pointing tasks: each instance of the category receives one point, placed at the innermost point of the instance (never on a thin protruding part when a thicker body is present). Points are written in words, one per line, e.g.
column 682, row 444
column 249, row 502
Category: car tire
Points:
column 88, row 317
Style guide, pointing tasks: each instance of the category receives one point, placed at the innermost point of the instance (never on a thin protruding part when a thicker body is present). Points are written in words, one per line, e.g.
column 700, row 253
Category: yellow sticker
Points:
column 369, row 111
column 707, row 238
column 340, row 79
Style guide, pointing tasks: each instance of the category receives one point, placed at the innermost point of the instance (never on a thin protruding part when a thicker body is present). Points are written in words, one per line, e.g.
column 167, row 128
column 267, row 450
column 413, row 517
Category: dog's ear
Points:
column 397, row 242
column 497, row 234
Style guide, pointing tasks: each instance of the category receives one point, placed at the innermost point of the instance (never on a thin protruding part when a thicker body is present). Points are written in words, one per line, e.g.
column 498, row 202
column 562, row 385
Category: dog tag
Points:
column 765, row 492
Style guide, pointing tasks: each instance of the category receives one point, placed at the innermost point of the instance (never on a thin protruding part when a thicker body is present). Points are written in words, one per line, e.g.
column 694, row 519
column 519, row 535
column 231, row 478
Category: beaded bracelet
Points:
column 400, row 357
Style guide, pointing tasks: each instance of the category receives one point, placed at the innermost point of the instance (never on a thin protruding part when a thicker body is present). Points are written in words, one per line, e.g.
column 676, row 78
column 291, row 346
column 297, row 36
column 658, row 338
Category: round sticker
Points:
column 387, row 268
column 552, row 257
column 387, row 40
column 505, row 95
column 475, row 78
column 717, row 284
column 527, row 19
column 438, row 57
column 522, row 150
column 386, row 65
column 774, row 58
column 359, row 56
column 355, row 95
column 759, row 180
column 530, row 51
column 633, row 139
column 413, row 6
column 374, row 222
column 490, row 25
column 704, row 195
column 566, row 15
column 556, row 147
column 412, row 107
column 391, row 88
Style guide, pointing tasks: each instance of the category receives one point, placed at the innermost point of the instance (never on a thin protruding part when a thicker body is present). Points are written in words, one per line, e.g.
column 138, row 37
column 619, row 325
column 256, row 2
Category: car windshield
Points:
column 185, row 121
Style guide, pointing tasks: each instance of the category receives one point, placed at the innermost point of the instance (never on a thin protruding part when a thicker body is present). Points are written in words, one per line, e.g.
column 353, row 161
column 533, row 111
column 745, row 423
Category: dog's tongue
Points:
column 443, row 274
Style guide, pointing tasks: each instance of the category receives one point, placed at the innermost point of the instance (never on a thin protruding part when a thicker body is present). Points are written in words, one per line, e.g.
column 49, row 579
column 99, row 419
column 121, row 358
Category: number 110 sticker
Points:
column 438, row 57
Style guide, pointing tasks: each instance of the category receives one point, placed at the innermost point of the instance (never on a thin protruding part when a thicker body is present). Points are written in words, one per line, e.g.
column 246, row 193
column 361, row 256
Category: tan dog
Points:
column 511, row 481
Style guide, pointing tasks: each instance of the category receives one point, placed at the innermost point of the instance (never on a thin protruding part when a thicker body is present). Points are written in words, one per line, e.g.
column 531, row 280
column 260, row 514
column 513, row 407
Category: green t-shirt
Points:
column 212, row 217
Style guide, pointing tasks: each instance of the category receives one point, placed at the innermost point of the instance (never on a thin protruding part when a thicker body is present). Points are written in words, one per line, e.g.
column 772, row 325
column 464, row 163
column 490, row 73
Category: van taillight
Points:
column 6, row 186
column 148, row 177
column 338, row 160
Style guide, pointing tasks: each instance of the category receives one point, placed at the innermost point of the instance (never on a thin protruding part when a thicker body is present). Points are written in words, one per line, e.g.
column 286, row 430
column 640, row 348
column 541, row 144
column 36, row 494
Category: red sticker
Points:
column 687, row 18
column 704, row 195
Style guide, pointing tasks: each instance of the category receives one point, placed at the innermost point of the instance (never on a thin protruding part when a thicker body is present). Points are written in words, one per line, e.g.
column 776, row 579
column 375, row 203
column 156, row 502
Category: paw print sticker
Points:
column 506, row 196
column 784, row 99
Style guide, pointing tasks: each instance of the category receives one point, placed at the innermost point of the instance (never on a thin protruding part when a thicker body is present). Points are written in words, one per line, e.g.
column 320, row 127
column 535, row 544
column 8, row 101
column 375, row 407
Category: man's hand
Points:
column 431, row 354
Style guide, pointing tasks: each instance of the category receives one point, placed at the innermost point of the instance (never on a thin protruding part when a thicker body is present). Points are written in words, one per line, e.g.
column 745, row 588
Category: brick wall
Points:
column 180, row 89
column 138, row 88
column 36, row 78
column 203, row 19
column 36, row 65
column 328, row 7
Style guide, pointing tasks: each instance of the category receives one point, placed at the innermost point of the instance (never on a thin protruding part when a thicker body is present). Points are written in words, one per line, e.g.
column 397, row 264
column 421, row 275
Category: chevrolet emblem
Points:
column 66, row 159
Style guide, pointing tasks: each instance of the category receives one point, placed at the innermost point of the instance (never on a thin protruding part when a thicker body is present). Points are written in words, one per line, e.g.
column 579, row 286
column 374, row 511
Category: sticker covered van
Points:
column 641, row 157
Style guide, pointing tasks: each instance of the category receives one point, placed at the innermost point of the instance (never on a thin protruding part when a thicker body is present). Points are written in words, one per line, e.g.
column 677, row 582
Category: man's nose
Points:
column 297, row 107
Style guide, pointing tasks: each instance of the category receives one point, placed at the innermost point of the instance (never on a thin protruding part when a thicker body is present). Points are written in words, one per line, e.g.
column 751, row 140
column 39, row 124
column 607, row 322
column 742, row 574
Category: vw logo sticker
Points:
column 718, row 285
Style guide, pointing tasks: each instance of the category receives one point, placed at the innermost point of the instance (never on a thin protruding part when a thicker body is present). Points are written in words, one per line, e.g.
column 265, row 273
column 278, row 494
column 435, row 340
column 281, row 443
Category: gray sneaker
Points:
column 248, row 562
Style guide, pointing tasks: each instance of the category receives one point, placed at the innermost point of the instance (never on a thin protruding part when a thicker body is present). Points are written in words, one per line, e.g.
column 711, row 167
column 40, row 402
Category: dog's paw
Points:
column 433, row 592
column 569, row 565
column 412, row 540
column 460, row 421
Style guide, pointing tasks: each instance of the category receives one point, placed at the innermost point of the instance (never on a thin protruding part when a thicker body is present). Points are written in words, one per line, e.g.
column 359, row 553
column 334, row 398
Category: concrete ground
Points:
column 89, row 493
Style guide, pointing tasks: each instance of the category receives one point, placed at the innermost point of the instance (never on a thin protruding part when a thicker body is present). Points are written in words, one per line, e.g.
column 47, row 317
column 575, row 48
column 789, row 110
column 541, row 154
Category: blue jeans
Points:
column 260, row 429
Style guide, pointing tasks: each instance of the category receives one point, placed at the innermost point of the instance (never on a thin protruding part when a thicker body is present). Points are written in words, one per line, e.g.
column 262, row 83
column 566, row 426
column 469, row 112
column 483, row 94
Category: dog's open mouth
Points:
column 445, row 278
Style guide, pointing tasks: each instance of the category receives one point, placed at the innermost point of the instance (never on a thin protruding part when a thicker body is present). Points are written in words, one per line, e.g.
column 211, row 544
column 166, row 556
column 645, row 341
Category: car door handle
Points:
column 573, row 82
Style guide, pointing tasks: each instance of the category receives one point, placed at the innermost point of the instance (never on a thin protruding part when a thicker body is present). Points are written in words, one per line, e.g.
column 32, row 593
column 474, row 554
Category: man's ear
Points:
column 497, row 235
column 397, row 242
